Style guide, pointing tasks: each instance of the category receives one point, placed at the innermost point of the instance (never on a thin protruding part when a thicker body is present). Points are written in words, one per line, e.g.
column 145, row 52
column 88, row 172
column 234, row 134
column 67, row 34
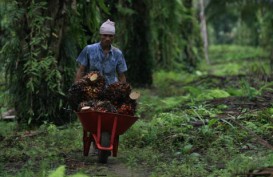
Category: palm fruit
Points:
column 129, row 106
column 90, row 94
column 105, row 106
column 90, row 87
column 95, row 85
column 117, row 92
column 76, row 94
column 95, row 79
column 90, row 104
column 126, row 109
column 96, row 105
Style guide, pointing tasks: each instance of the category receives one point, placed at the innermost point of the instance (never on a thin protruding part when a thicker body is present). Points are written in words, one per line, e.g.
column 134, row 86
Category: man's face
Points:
column 106, row 39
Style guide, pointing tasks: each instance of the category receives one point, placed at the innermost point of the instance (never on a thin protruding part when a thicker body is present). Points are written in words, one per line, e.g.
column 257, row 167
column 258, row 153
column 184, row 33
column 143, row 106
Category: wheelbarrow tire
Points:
column 105, row 142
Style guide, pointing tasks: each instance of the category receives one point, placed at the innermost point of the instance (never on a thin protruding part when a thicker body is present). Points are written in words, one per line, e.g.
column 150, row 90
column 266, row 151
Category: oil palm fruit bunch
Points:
column 122, row 97
column 95, row 85
column 91, row 94
column 105, row 106
column 117, row 92
column 85, row 104
column 100, row 106
column 126, row 109
column 76, row 94
column 95, row 79
column 90, row 87
column 129, row 106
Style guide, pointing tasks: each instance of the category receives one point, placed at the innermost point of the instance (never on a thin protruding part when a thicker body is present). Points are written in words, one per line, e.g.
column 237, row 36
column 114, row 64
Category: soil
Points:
column 75, row 162
column 114, row 168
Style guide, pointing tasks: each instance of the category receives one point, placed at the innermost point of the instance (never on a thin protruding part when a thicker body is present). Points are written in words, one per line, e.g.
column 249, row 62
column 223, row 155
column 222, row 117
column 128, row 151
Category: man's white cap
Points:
column 107, row 27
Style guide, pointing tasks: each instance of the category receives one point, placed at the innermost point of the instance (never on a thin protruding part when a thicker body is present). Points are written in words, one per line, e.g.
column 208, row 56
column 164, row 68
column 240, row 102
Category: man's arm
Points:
column 80, row 72
column 122, row 77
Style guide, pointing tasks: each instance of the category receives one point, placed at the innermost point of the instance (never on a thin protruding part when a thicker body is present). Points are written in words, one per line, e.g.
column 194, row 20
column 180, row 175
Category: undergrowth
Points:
column 178, row 131
column 215, row 146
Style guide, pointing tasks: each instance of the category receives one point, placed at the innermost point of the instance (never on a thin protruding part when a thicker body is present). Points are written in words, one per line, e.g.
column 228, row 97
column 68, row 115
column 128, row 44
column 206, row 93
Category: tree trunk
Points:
column 189, row 36
column 57, row 10
column 136, row 47
column 204, row 30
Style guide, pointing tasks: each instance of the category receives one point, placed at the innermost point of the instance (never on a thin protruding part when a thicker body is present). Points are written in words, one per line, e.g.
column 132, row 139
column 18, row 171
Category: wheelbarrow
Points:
column 103, row 129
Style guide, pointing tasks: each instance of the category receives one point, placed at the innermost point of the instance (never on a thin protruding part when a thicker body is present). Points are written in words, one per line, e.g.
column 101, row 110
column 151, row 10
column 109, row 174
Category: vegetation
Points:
column 39, row 55
column 200, row 127
column 196, row 118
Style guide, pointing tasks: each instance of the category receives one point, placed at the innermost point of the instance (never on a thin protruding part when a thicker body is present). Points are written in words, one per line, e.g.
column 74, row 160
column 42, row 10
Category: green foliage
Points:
column 205, row 94
column 240, row 20
column 200, row 112
column 188, row 167
column 60, row 172
column 34, row 74
column 265, row 21
column 175, row 36
column 5, row 101
column 164, row 30
column 168, row 127
column 84, row 25
column 172, row 102
column 9, row 39
column 171, row 77
column 171, row 141
column 149, row 105
column 249, row 91
column 219, row 145
column 39, row 57
column 6, row 129
column 166, row 132
column 235, row 60
column 138, row 135
column 244, row 162
column 165, row 127
column 166, row 82
column 42, row 148
column 228, row 69
column 235, row 52
column 211, row 94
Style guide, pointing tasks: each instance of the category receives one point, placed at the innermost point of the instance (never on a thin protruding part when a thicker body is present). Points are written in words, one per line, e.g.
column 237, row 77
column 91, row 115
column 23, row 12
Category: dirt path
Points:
column 114, row 168
column 119, row 169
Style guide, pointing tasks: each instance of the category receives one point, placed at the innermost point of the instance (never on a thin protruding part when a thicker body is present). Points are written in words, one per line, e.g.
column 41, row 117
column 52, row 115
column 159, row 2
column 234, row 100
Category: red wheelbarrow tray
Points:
column 94, row 123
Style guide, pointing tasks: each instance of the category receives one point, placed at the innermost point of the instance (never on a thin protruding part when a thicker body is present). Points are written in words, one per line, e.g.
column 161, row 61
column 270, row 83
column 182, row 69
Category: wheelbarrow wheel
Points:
column 105, row 142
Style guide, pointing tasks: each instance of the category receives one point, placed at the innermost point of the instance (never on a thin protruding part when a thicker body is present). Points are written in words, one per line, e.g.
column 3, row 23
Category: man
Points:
column 103, row 57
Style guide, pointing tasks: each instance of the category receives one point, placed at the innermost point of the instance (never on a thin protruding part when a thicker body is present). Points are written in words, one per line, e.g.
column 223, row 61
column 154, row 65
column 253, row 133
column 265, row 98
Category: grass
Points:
column 219, row 148
column 29, row 152
column 234, row 60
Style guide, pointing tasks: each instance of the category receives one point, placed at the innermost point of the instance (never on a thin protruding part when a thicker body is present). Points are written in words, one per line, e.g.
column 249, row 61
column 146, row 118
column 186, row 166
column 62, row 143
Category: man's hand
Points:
column 122, row 77
column 80, row 73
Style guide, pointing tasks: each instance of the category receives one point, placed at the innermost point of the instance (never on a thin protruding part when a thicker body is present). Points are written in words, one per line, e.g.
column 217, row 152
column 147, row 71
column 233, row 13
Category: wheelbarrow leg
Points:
column 87, row 139
column 115, row 146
